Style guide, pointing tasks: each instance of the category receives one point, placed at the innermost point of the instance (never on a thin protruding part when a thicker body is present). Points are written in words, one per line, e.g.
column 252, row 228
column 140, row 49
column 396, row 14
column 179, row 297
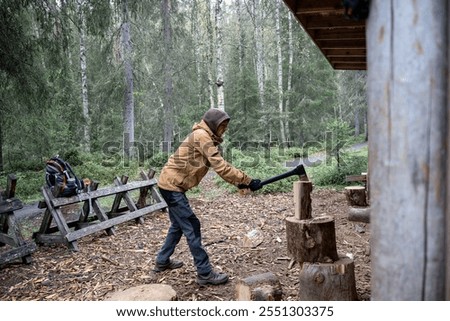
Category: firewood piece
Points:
column 356, row 195
column 302, row 200
column 146, row 292
column 260, row 287
column 311, row 240
column 359, row 214
column 328, row 281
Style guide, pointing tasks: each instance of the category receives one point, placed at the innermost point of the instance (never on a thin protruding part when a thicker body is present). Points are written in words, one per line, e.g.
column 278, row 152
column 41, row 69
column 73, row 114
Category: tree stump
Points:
column 146, row 292
column 356, row 195
column 328, row 281
column 260, row 287
column 311, row 240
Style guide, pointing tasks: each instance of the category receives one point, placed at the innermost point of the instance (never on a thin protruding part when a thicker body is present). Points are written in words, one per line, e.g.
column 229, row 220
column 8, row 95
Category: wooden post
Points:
column 11, row 186
column 407, row 51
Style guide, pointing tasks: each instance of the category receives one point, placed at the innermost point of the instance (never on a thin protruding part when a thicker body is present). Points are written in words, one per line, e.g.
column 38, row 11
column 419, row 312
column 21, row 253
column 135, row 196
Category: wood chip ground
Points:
column 105, row 264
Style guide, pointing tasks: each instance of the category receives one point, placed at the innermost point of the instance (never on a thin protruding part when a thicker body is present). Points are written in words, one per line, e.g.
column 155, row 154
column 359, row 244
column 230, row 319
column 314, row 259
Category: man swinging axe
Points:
column 184, row 170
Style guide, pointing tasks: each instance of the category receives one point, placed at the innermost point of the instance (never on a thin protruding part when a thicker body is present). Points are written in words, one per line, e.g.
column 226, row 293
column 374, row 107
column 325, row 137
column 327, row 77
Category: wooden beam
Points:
column 333, row 34
column 342, row 44
column 330, row 22
column 314, row 6
column 345, row 52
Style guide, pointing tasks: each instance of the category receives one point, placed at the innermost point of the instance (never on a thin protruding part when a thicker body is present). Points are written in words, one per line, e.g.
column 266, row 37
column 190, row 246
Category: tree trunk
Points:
column 289, row 77
column 1, row 142
column 258, row 31
column 280, row 72
column 219, row 62
column 128, row 115
column 241, row 34
column 357, row 124
column 166, row 8
column 84, row 85
column 210, row 55
column 196, row 32
column 408, row 114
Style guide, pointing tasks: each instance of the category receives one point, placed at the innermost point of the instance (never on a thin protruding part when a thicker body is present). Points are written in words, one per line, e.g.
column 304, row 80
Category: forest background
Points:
column 113, row 86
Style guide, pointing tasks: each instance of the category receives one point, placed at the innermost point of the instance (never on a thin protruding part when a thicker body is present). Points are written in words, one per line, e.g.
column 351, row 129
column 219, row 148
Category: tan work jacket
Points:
column 190, row 163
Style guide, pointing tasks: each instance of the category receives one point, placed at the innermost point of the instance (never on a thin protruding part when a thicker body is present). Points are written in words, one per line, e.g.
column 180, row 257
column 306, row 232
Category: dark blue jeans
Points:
column 183, row 222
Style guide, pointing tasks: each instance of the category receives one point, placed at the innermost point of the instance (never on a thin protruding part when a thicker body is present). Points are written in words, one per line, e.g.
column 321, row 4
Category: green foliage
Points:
column 158, row 160
column 330, row 174
column 40, row 102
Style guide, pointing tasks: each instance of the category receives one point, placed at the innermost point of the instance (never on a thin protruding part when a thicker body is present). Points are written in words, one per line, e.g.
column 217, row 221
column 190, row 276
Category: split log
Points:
column 356, row 195
column 359, row 214
column 302, row 200
column 328, row 282
column 311, row 240
column 146, row 292
column 260, row 287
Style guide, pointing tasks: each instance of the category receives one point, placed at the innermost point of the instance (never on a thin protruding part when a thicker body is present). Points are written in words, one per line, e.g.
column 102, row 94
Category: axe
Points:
column 299, row 170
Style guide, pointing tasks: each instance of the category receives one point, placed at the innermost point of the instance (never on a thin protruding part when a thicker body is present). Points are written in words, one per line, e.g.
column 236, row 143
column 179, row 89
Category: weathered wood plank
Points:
column 106, row 191
column 118, row 198
column 75, row 235
column 6, row 239
column 19, row 252
column 102, row 216
column 356, row 178
column 10, row 205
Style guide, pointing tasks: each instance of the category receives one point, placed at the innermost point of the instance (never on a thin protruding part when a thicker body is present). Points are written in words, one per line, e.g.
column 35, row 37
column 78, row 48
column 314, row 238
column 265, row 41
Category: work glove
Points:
column 255, row 185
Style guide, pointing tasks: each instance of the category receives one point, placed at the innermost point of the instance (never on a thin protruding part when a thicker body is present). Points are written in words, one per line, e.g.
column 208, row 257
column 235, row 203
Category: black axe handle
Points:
column 299, row 170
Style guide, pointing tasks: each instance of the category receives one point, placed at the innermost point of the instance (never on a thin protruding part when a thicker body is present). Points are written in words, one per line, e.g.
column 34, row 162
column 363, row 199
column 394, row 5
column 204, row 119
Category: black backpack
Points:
column 59, row 173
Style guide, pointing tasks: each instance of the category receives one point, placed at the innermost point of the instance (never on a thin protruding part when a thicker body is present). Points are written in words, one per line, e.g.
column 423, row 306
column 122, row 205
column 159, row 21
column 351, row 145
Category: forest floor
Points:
column 105, row 264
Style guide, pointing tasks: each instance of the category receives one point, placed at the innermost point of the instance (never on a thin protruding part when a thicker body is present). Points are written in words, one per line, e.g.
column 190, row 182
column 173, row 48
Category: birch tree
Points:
column 128, row 115
column 259, row 46
column 83, row 69
column 168, row 83
column 209, row 57
column 289, row 75
column 196, row 32
column 219, row 63
column 280, row 72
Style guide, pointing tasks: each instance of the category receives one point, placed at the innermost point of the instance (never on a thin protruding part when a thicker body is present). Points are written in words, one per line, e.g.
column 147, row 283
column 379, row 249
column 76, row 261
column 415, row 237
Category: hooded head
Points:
column 214, row 117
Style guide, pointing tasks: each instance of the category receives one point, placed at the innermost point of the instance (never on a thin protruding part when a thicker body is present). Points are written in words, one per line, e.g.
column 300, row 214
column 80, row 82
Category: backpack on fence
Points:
column 59, row 174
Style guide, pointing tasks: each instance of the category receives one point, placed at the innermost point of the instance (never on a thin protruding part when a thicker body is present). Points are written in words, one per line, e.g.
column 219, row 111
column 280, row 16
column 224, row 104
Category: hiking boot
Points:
column 212, row 278
column 172, row 265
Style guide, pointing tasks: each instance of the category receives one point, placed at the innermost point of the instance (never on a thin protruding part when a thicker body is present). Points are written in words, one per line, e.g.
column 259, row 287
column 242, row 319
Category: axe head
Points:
column 300, row 171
